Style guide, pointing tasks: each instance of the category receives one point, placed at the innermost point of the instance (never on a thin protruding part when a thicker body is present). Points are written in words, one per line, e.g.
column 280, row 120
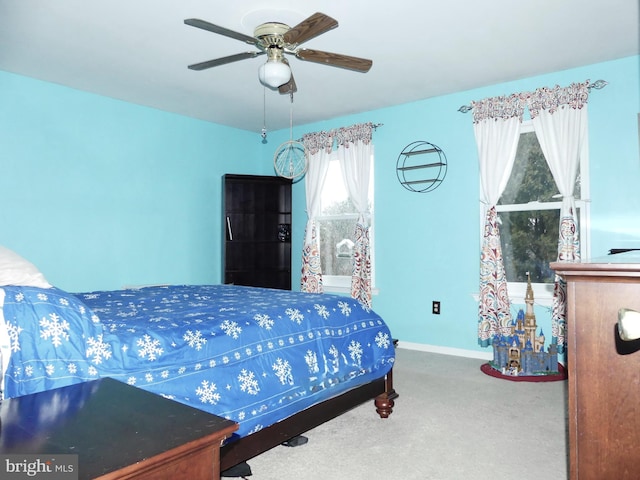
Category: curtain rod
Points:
column 598, row 85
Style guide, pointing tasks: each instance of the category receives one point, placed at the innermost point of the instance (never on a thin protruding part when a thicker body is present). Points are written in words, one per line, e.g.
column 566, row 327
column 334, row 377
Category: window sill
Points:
column 344, row 290
column 542, row 294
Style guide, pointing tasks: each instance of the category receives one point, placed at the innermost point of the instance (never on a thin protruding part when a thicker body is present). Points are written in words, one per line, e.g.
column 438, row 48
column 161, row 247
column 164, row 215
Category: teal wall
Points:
column 100, row 193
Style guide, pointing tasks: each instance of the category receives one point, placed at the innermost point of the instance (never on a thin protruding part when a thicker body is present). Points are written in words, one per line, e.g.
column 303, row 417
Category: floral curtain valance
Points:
column 549, row 99
column 342, row 136
column 314, row 142
column 349, row 135
column 503, row 107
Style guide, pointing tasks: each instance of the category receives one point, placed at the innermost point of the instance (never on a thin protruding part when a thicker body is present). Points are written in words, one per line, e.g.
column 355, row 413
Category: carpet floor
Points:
column 451, row 421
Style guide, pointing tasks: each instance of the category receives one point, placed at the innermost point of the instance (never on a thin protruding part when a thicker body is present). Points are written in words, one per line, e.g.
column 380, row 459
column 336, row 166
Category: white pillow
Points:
column 15, row 270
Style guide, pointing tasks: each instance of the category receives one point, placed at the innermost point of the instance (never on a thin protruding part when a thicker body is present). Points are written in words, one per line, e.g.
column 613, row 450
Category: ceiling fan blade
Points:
column 315, row 25
column 224, row 60
column 335, row 60
column 290, row 86
column 195, row 22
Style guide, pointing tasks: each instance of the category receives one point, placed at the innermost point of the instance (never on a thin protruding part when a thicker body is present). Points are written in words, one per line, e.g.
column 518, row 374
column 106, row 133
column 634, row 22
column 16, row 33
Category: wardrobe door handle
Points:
column 229, row 229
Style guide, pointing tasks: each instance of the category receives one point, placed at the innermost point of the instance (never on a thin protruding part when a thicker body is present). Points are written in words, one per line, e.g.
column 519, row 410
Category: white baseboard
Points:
column 458, row 352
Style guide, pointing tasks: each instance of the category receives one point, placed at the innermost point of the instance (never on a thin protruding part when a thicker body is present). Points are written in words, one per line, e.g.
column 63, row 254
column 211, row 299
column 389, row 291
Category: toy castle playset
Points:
column 521, row 352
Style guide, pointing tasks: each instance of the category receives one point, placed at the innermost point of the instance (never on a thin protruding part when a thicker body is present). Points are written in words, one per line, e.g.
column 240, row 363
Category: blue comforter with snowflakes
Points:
column 252, row 355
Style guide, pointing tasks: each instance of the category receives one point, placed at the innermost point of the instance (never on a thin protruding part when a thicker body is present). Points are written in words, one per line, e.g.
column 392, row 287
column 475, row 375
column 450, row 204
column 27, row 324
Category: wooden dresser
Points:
column 604, row 371
column 117, row 431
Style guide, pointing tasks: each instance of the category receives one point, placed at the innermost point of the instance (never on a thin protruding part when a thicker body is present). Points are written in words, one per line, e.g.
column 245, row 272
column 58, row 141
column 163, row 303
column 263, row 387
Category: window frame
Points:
column 342, row 283
column 543, row 292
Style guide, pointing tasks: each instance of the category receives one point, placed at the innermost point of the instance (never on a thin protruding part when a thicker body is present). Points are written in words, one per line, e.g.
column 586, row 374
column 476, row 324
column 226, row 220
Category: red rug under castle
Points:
column 552, row 377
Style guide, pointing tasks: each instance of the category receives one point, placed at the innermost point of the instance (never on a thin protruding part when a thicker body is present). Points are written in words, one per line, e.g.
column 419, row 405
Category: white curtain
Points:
column 354, row 155
column 559, row 117
column 318, row 150
column 496, row 124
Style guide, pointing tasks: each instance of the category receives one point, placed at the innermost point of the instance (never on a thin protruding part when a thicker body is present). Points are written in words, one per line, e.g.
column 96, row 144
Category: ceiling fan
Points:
column 275, row 39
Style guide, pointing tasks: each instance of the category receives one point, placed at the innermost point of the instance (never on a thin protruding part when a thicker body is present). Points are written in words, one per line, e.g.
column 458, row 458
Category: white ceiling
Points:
column 138, row 50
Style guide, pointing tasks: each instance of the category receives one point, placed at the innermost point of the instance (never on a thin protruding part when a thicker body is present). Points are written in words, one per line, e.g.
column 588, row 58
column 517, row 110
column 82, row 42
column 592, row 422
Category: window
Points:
column 529, row 215
column 337, row 224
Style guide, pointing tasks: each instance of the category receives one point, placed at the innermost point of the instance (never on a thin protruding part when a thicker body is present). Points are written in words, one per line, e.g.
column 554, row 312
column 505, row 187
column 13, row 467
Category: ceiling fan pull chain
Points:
column 291, row 116
column 264, row 115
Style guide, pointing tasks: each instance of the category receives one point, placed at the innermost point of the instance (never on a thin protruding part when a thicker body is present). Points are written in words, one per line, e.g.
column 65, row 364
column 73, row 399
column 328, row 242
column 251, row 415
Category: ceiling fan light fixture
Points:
column 274, row 73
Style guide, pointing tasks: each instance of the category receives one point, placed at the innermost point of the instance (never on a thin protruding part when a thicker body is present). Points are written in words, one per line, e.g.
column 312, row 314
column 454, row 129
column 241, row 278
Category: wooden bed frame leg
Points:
column 385, row 401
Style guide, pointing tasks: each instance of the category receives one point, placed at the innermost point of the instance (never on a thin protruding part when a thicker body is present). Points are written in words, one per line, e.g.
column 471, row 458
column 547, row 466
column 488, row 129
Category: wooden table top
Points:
column 107, row 423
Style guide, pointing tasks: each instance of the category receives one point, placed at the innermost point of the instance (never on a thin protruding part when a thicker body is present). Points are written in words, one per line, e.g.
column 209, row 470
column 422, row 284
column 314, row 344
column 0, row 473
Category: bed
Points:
column 276, row 362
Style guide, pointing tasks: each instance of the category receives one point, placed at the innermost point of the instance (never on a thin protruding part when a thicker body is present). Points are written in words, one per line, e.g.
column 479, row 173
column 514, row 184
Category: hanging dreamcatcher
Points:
column 290, row 160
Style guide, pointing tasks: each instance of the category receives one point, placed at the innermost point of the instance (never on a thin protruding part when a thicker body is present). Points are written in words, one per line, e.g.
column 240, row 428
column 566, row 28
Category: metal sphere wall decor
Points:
column 421, row 167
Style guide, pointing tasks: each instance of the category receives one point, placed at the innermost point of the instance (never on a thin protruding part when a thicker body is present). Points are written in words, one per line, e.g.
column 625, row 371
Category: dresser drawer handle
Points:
column 628, row 324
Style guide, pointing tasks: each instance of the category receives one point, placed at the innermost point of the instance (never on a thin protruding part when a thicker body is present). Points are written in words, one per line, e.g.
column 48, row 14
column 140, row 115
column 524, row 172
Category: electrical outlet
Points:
column 435, row 308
